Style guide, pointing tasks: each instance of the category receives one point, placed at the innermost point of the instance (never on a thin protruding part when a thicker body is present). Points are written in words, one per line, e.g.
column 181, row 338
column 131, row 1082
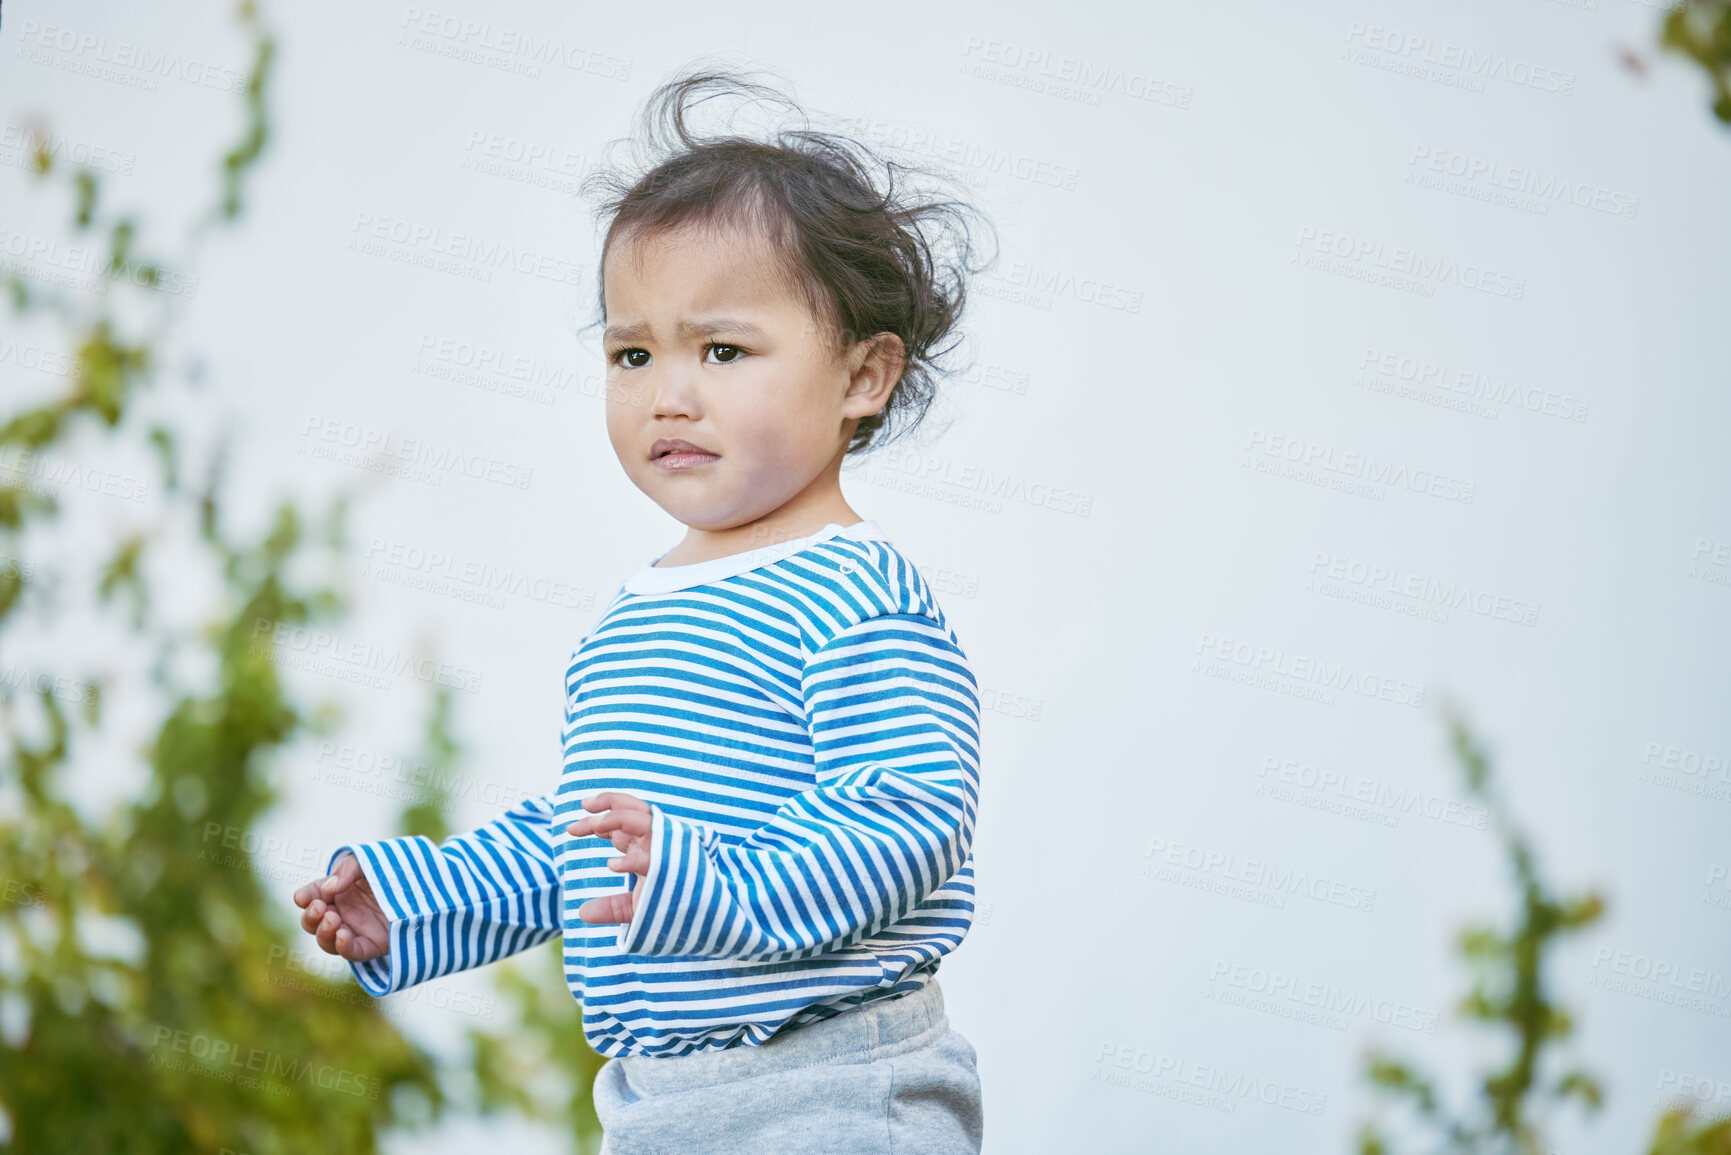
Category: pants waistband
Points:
column 877, row 1029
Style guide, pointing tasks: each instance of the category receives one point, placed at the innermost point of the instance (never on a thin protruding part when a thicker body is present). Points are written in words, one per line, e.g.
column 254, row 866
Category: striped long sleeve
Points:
column 892, row 710
column 469, row 901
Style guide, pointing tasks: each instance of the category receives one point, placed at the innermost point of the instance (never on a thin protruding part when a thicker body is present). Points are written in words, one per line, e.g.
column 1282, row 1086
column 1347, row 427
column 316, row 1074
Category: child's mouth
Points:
column 677, row 454
column 679, row 461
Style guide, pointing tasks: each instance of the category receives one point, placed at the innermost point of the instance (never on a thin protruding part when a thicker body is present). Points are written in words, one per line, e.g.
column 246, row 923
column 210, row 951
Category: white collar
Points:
column 654, row 579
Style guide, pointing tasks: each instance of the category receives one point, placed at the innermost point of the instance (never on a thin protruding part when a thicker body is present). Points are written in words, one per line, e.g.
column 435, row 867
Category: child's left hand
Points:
column 624, row 821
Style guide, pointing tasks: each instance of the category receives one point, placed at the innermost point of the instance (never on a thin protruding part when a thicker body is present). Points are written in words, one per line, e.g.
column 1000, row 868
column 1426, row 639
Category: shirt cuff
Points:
column 404, row 909
column 658, row 926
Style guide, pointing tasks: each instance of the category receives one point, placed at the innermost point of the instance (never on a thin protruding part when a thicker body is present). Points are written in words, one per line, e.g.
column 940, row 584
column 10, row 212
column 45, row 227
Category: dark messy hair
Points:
column 865, row 253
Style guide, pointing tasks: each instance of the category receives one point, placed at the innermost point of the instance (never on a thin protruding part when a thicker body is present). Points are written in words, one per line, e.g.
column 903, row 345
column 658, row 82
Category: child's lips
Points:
column 678, row 461
column 676, row 453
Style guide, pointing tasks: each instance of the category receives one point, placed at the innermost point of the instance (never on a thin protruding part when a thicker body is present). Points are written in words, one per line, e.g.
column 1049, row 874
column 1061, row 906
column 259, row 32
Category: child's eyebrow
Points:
column 688, row 327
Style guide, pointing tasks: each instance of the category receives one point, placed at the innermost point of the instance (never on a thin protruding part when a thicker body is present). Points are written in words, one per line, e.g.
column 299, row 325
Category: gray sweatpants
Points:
column 891, row 1076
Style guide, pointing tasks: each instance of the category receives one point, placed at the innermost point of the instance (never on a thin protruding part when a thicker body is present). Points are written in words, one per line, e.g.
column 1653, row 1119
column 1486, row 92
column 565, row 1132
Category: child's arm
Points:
column 466, row 902
column 893, row 711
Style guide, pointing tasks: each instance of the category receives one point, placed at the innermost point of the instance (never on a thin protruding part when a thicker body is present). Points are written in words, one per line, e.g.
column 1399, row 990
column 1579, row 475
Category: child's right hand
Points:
column 343, row 914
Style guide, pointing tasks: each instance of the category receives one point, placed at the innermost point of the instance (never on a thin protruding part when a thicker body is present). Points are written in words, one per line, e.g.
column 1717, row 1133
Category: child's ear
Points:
column 878, row 361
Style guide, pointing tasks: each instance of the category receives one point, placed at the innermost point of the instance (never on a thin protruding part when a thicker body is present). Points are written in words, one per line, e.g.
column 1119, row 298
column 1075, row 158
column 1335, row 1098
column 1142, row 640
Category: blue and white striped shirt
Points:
column 805, row 727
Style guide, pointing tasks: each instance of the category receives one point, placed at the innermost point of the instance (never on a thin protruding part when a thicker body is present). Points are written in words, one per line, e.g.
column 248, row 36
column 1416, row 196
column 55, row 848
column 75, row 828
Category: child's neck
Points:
column 701, row 545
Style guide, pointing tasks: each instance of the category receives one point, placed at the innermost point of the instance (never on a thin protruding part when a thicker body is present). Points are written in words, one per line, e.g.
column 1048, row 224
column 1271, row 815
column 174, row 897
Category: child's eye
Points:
column 724, row 355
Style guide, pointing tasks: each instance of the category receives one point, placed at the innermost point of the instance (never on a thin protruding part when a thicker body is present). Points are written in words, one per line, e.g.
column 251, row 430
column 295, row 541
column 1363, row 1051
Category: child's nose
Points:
column 674, row 392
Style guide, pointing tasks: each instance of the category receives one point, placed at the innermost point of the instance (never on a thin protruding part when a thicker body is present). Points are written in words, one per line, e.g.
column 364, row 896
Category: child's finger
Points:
column 327, row 933
column 607, row 908
column 598, row 827
column 631, row 821
column 354, row 947
column 587, row 828
column 614, row 800
column 348, row 869
column 313, row 915
column 632, row 861
column 362, row 948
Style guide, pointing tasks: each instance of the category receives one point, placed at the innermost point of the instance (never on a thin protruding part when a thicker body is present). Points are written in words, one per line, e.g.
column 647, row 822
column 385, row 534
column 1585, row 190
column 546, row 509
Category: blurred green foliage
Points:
column 148, row 997
column 1510, row 997
column 426, row 815
column 540, row 1066
column 1701, row 30
column 140, row 1010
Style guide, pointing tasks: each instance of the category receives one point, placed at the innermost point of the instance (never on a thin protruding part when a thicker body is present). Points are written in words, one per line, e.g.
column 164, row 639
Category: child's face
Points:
column 706, row 344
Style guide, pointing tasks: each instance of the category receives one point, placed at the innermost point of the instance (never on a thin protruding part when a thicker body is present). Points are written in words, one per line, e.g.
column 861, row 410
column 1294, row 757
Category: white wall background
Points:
column 1279, row 163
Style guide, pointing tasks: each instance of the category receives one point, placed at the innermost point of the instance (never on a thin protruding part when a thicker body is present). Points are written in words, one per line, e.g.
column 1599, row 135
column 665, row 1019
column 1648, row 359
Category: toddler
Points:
column 758, row 849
